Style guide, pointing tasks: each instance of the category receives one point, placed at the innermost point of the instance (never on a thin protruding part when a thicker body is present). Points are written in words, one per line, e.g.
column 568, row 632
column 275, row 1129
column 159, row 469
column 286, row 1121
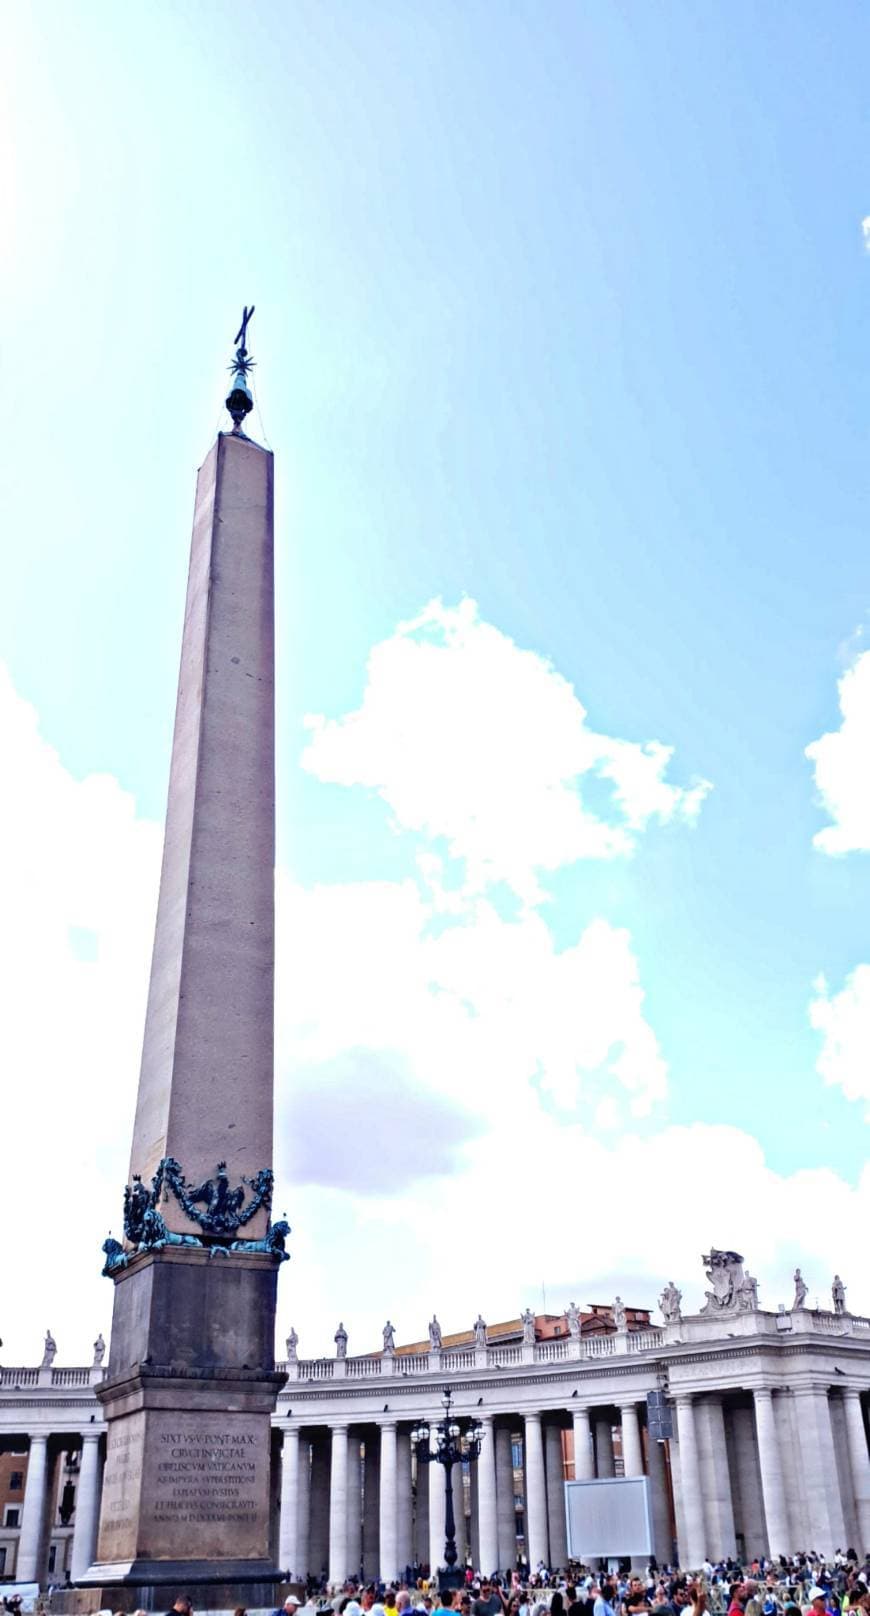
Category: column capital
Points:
column 532, row 1417
column 337, row 1427
column 684, row 1399
column 39, row 1438
column 90, row 1434
column 388, row 1425
column 628, row 1404
column 765, row 1392
column 851, row 1393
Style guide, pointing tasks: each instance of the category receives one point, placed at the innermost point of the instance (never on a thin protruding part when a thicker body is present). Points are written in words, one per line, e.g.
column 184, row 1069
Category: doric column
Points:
column 506, row 1515
column 536, row 1494
column 487, row 1522
column 819, row 1466
column 474, row 1517
column 28, row 1568
column 421, row 1514
column 404, row 1502
column 663, row 1545
column 692, row 1552
column 556, row 1527
column 87, row 1506
column 338, row 1505
column 288, row 1543
column 859, row 1464
column 389, row 1561
column 770, row 1465
column 372, row 1506
column 303, row 1537
column 632, row 1452
column 458, row 1484
column 318, row 1552
column 354, row 1505
column 584, row 1458
column 436, row 1514
column 716, row 1478
column 604, row 1448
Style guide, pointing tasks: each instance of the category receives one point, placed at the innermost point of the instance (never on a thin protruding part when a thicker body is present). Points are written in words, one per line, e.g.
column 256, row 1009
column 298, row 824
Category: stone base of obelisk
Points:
column 192, row 1386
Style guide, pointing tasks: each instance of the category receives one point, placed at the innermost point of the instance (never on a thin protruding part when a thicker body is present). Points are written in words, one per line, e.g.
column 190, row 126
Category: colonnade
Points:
column 769, row 1470
column 35, row 1527
column 393, row 1512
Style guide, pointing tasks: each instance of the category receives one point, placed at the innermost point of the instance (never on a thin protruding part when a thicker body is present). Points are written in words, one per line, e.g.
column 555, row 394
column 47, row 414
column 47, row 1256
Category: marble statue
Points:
column 800, row 1291
column 528, row 1328
column 434, row 1335
column 731, row 1289
column 479, row 1331
column 838, row 1292
column 49, row 1350
column 573, row 1317
column 389, row 1339
column 619, row 1317
column 99, row 1350
column 669, row 1302
column 340, row 1339
column 292, row 1346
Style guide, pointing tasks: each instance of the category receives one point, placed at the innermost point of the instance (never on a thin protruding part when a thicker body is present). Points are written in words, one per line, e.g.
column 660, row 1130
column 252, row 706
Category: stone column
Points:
column 506, row 1517
column 584, row 1458
column 772, row 1480
column 288, row 1538
column 87, row 1506
column 318, row 1553
column 604, row 1447
column 660, row 1509
column 487, row 1520
column 715, row 1478
column 537, row 1546
column 372, row 1506
column 859, row 1464
column 303, row 1539
column 421, row 1514
column 556, row 1525
column 632, row 1452
column 338, row 1505
column 354, row 1505
column 28, row 1568
column 474, row 1517
column 389, row 1558
column 458, row 1484
column 404, row 1502
column 436, row 1514
column 821, row 1487
column 692, row 1552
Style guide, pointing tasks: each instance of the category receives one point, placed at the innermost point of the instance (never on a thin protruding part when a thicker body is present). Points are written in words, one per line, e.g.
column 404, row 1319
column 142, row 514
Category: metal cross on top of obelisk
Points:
column 240, row 400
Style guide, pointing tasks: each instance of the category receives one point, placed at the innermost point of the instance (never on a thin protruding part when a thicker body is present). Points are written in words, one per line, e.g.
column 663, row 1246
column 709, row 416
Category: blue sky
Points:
column 562, row 310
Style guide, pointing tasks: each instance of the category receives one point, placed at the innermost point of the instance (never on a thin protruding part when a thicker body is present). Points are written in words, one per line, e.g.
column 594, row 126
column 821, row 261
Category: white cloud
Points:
column 467, row 737
column 841, row 762
column 843, row 1019
column 436, row 1067
column 78, row 874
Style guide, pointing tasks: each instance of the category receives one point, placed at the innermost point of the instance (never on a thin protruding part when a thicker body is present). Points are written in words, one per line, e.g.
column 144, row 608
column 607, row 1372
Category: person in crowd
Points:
column 490, row 1601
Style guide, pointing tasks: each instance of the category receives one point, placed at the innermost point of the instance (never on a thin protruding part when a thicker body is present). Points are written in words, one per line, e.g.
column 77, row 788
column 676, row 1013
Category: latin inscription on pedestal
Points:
column 203, row 1488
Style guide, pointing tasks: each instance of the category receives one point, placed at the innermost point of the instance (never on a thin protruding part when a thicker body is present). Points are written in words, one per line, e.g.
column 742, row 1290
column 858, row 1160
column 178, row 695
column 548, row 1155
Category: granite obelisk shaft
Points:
column 206, row 1083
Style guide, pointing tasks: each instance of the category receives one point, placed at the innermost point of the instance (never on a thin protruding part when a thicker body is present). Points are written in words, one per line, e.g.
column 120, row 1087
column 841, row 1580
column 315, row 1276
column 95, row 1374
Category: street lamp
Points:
column 454, row 1442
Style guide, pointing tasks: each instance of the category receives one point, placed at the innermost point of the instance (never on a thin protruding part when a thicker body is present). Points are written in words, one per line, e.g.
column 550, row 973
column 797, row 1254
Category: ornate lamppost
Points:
column 455, row 1441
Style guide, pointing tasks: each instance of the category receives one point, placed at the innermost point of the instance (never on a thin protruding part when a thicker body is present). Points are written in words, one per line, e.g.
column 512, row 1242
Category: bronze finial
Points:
column 239, row 400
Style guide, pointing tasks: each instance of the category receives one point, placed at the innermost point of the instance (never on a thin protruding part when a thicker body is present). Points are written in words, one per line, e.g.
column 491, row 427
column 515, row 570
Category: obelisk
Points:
column 192, row 1381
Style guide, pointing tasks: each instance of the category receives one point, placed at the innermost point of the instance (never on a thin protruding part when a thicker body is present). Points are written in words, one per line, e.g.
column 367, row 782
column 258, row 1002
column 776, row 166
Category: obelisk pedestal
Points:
column 192, row 1381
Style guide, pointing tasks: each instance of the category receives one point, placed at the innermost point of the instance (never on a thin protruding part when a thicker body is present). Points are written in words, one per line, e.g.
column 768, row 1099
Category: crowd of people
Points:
column 801, row 1585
